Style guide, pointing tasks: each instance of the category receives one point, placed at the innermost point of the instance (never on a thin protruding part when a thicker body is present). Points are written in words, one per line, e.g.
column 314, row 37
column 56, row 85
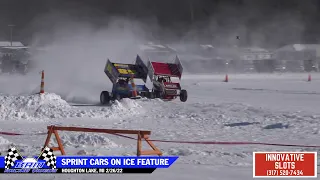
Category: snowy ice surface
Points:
column 272, row 108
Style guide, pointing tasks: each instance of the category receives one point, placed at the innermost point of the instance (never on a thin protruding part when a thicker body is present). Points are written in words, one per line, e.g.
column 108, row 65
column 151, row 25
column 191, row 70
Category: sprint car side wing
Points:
column 150, row 70
column 179, row 66
column 143, row 69
column 111, row 72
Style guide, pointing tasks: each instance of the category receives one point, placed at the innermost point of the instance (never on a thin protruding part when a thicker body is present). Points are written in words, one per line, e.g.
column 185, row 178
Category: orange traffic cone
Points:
column 42, row 83
column 309, row 77
column 226, row 78
column 134, row 92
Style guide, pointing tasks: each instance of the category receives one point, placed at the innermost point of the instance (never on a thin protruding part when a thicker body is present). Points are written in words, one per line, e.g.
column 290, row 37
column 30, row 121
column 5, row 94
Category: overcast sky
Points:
column 274, row 22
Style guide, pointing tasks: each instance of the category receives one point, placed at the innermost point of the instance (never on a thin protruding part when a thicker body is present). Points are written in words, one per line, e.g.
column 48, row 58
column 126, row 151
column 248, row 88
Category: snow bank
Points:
column 52, row 106
column 3, row 143
column 31, row 107
column 76, row 140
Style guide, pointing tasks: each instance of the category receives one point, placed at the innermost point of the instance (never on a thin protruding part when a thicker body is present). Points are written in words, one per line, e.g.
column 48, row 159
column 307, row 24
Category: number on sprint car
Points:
column 122, row 71
column 125, row 71
column 131, row 71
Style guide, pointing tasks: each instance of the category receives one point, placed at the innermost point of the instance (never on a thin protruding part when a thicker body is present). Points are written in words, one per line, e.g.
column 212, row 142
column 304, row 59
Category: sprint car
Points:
column 122, row 76
column 161, row 75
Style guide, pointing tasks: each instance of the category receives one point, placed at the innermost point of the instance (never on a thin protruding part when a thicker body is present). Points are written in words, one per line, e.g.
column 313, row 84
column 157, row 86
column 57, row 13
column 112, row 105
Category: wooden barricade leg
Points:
column 60, row 145
column 155, row 150
column 46, row 144
column 139, row 144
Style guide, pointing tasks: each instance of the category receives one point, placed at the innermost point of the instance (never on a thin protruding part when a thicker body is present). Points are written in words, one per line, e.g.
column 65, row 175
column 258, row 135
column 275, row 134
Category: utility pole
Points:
column 11, row 29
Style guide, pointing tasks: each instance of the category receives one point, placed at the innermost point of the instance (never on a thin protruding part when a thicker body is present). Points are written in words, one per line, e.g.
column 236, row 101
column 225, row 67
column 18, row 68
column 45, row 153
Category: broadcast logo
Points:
column 15, row 163
column 47, row 162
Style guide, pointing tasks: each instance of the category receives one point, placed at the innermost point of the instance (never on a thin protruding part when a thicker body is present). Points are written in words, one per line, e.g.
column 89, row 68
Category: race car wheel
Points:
column 117, row 97
column 157, row 94
column 104, row 97
column 183, row 95
column 143, row 94
column 150, row 95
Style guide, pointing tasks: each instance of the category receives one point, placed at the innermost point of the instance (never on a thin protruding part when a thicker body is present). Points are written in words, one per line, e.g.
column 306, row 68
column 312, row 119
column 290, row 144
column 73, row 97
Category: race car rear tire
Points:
column 150, row 95
column 116, row 97
column 183, row 95
column 157, row 94
column 104, row 97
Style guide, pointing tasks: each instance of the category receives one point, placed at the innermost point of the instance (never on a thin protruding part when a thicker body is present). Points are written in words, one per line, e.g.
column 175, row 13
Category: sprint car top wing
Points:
column 166, row 69
column 115, row 70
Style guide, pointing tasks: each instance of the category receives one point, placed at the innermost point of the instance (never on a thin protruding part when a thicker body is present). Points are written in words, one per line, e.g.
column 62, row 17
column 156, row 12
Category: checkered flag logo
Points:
column 48, row 156
column 11, row 157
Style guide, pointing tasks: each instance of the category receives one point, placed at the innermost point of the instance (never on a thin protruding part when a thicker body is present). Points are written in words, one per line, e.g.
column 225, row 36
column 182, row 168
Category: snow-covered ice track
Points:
column 215, row 111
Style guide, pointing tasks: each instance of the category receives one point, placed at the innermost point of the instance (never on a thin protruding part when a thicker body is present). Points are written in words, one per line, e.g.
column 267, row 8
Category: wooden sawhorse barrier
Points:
column 141, row 135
